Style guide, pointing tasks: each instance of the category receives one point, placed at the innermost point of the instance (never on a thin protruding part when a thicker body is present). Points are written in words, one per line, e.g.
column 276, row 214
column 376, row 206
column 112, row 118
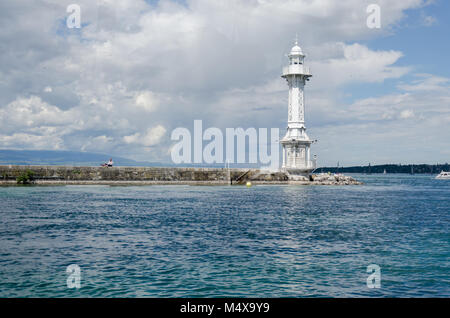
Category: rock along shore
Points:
column 65, row 175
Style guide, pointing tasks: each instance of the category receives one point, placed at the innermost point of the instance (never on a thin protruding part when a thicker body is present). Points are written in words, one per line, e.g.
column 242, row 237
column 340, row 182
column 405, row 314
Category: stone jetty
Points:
column 62, row 175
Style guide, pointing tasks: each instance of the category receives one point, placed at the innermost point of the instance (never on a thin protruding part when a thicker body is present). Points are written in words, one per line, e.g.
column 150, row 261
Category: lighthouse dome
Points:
column 296, row 50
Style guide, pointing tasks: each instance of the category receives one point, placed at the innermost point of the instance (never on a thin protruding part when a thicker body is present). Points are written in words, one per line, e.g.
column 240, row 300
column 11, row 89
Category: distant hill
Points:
column 390, row 168
column 64, row 158
column 78, row 158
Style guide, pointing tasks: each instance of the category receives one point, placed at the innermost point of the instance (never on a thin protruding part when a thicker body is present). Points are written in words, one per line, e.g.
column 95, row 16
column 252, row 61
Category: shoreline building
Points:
column 296, row 143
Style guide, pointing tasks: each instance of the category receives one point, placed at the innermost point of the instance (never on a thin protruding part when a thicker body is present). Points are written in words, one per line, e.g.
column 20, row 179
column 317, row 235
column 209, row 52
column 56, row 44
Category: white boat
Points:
column 443, row 175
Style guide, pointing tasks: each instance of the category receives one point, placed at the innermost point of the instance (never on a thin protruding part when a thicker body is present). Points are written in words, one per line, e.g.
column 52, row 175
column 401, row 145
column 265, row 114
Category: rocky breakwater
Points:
column 324, row 179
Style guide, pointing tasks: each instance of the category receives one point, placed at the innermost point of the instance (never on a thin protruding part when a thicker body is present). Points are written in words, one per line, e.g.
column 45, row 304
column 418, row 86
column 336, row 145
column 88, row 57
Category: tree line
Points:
column 389, row 168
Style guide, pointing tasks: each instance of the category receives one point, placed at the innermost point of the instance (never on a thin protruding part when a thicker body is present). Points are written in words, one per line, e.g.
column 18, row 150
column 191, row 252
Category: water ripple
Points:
column 263, row 241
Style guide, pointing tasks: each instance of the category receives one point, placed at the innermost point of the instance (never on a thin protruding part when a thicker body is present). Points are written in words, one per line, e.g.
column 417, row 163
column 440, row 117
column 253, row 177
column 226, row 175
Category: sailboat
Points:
column 384, row 172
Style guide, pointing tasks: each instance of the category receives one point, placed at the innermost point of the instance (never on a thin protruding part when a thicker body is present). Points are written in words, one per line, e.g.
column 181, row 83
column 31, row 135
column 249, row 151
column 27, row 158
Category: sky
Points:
column 135, row 70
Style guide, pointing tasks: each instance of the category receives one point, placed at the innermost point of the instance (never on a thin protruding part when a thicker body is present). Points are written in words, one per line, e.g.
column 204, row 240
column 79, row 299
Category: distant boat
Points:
column 384, row 172
column 443, row 175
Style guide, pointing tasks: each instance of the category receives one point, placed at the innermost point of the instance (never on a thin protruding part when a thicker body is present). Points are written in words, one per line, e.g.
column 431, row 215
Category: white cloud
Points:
column 29, row 141
column 407, row 113
column 358, row 64
column 31, row 112
column 427, row 83
column 147, row 101
column 132, row 139
column 151, row 137
column 411, row 124
column 412, row 102
column 134, row 65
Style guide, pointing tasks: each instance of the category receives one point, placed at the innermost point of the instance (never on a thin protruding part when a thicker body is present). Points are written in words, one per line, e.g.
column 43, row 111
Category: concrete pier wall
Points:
column 157, row 175
column 154, row 175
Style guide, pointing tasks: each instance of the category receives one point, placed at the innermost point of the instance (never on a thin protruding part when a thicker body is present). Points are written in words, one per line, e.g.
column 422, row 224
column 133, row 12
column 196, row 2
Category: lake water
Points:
column 212, row 241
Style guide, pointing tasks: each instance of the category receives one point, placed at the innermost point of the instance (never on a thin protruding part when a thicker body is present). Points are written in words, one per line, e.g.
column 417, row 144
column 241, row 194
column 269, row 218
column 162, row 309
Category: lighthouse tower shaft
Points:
column 296, row 143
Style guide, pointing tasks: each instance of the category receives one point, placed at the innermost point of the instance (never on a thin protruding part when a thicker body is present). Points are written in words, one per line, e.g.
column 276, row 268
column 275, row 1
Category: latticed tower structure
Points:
column 296, row 143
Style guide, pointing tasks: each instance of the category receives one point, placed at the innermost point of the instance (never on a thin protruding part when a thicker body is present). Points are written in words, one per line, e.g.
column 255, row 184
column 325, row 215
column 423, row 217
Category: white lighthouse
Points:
column 296, row 143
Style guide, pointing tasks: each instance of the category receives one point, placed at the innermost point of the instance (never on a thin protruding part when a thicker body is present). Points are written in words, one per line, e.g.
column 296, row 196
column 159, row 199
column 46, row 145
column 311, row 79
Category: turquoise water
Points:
column 199, row 241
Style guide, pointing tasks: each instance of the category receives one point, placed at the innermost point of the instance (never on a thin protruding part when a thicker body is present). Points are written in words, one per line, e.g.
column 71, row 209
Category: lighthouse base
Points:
column 297, row 174
column 296, row 157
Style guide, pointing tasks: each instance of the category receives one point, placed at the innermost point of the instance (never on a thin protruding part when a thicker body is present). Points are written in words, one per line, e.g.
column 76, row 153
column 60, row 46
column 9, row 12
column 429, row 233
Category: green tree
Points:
column 26, row 177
